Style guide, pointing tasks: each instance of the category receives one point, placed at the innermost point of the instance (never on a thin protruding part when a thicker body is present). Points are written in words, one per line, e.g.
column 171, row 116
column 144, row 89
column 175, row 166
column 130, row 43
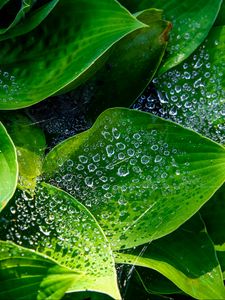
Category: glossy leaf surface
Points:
column 195, row 269
column 44, row 61
column 131, row 66
column 193, row 93
column 141, row 176
column 191, row 19
column 8, row 167
column 59, row 227
column 30, row 144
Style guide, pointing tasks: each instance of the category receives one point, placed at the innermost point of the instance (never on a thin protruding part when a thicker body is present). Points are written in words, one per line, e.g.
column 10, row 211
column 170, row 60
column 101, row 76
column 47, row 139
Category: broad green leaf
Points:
column 136, row 57
column 45, row 61
column 213, row 214
column 8, row 167
column 192, row 20
column 30, row 21
column 186, row 257
column 193, row 93
column 12, row 12
column 141, row 176
column 30, row 144
column 58, row 226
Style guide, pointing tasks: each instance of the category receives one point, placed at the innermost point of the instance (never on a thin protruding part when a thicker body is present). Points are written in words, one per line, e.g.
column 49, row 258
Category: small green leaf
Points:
column 59, row 227
column 30, row 144
column 193, row 93
column 30, row 21
column 141, row 176
column 45, row 60
column 8, row 167
column 135, row 58
column 192, row 20
column 186, row 257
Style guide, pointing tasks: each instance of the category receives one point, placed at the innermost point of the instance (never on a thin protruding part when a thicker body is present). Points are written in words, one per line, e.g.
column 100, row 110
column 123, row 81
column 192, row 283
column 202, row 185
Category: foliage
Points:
column 133, row 206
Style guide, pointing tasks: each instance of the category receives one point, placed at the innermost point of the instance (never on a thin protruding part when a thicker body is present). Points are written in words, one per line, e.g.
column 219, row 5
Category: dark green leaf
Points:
column 8, row 167
column 30, row 21
column 46, row 60
column 192, row 20
column 141, row 176
column 187, row 257
column 59, row 227
column 30, row 144
column 213, row 214
column 131, row 66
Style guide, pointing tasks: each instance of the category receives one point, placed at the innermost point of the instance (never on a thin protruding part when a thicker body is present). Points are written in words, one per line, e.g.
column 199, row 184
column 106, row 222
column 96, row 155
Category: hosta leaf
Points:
column 187, row 257
column 136, row 57
column 213, row 214
column 220, row 21
column 58, row 226
column 8, row 167
column 141, row 176
column 30, row 21
column 193, row 93
column 154, row 282
column 192, row 20
column 30, row 144
column 44, row 61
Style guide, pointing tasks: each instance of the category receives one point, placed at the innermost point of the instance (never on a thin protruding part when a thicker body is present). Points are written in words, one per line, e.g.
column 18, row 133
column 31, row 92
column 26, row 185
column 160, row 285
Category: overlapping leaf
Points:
column 46, row 60
column 131, row 66
column 141, row 176
column 8, row 167
column 192, row 20
column 193, row 93
column 32, row 19
column 30, row 144
column 58, row 226
column 194, row 269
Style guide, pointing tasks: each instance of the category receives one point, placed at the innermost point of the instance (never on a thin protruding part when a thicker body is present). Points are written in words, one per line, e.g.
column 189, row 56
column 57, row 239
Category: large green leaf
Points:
column 30, row 144
column 193, row 93
column 58, row 226
column 192, row 20
column 8, row 167
column 135, row 58
column 187, row 257
column 32, row 19
column 44, row 61
column 141, row 176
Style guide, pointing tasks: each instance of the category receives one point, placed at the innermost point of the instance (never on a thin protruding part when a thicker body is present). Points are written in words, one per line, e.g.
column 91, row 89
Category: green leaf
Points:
column 141, row 176
column 220, row 21
column 12, row 12
column 154, row 282
column 213, row 214
column 193, row 93
column 46, row 60
column 192, row 20
column 59, row 227
column 30, row 144
column 136, row 57
column 32, row 19
column 8, row 167
column 186, row 257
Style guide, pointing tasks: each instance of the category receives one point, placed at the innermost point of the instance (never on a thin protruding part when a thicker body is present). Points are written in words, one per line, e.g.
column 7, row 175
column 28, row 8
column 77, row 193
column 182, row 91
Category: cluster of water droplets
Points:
column 121, row 171
column 56, row 227
column 9, row 87
column 192, row 95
